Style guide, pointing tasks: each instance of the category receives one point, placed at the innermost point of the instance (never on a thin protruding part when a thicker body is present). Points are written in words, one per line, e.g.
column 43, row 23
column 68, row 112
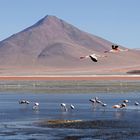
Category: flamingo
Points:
column 125, row 101
column 72, row 107
column 36, row 106
column 24, row 102
column 93, row 57
column 64, row 107
column 92, row 101
column 115, row 49
column 116, row 106
column 123, row 105
column 98, row 101
column 136, row 103
column 104, row 105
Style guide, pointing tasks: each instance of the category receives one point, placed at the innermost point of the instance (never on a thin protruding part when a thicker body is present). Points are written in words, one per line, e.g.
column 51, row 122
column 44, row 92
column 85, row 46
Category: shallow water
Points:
column 19, row 121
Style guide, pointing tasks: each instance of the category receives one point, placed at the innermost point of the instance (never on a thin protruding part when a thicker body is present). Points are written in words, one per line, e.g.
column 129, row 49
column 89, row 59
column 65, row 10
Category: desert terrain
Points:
column 53, row 47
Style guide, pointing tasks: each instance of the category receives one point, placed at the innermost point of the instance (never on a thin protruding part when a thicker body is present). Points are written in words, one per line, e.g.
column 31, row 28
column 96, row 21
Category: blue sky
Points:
column 115, row 20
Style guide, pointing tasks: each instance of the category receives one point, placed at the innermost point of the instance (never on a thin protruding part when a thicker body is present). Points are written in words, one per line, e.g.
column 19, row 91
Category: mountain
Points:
column 55, row 44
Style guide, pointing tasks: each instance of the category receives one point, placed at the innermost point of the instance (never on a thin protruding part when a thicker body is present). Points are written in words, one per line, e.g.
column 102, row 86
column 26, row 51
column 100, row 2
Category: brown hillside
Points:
column 53, row 43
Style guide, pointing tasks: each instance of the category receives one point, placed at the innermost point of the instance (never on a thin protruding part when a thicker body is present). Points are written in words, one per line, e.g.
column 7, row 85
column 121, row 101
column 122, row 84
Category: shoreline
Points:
column 69, row 77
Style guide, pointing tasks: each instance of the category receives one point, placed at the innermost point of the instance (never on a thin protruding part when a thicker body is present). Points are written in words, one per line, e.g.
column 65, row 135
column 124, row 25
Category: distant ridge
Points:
column 54, row 43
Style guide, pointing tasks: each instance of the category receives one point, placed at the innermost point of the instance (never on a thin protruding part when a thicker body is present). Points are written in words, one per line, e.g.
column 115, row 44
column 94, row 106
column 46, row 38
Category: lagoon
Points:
column 21, row 121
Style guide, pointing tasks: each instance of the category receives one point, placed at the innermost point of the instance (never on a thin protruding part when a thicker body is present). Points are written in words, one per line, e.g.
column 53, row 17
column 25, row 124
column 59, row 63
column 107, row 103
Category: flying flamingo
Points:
column 115, row 49
column 93, row 57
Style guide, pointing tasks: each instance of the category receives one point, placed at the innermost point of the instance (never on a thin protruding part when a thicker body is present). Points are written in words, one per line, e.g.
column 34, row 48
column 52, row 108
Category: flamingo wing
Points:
column 116, row 47
column 93, row 58
column 113, row 47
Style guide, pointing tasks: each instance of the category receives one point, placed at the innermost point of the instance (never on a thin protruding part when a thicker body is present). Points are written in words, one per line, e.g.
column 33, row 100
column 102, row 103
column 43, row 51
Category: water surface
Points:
column 19, row 121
